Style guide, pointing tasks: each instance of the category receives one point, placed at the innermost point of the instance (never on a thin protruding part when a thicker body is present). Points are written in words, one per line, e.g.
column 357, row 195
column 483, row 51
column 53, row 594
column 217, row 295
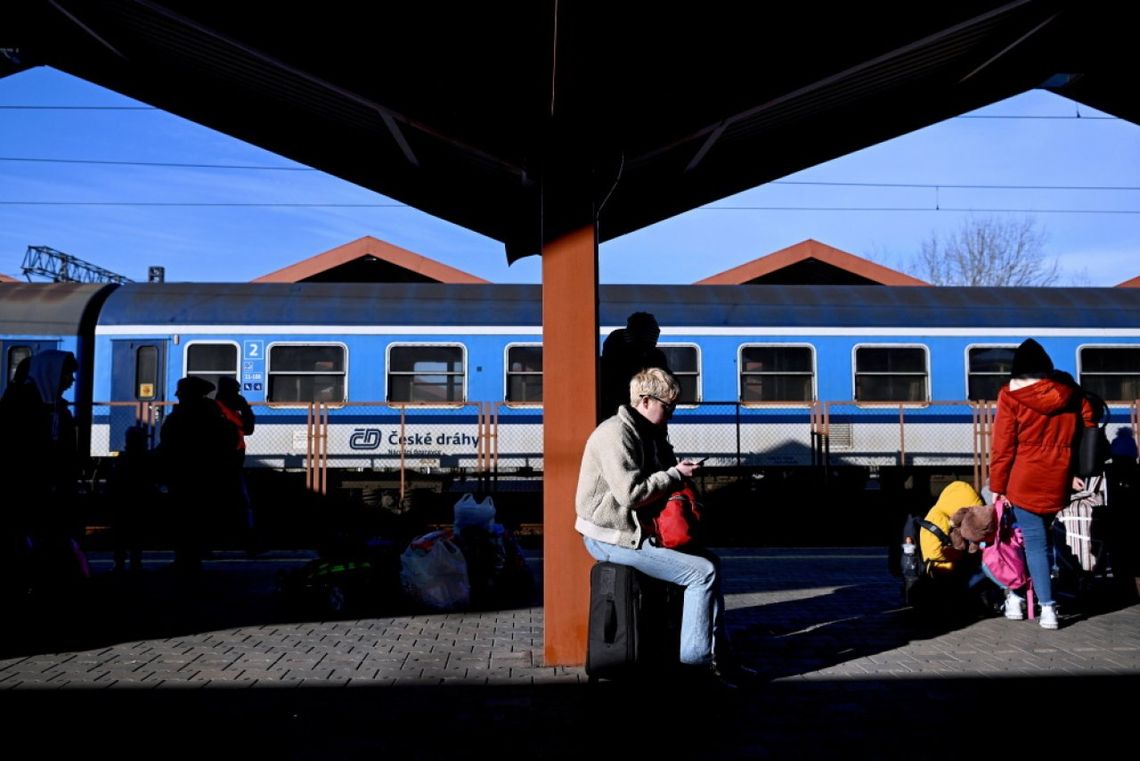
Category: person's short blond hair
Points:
column 654, row 382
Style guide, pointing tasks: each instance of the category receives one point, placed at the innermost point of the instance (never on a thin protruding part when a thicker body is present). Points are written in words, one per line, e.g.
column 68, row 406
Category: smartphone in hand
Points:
column 697, row 461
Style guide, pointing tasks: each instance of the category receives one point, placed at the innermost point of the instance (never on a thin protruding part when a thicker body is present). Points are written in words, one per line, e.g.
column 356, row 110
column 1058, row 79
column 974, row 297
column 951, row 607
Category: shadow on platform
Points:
column 800, row 719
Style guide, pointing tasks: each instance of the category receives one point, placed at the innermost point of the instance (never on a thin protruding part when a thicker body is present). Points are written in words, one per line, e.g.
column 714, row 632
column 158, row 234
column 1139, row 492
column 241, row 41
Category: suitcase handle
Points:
column 610, row 627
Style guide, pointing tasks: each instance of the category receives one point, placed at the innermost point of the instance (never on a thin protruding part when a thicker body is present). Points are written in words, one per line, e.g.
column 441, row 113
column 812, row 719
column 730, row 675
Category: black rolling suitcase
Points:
column 635, row 623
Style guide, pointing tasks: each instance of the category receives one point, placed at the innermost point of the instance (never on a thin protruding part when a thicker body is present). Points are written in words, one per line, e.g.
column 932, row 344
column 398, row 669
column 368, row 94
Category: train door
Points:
column 138, row 374
column 14, row 351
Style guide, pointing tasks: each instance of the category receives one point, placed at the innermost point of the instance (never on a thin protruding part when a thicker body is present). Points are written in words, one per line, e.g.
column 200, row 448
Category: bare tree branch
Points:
column 989, row 251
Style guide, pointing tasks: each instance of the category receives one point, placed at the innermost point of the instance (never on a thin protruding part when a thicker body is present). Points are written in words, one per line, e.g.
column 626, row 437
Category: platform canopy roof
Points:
column 633, row 111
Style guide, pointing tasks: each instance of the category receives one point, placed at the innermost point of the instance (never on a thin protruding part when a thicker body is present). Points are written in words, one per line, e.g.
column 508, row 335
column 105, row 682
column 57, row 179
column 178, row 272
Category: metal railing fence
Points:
column 493, row 440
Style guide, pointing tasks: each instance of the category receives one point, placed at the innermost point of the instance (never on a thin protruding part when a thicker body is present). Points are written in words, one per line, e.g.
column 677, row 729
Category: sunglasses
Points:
column 667, row 406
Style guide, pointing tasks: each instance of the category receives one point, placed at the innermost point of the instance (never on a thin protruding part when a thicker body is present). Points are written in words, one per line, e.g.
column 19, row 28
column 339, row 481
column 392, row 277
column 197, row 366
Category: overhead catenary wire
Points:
column 161, row 164
column 917, row 208
column 396, row 205
column 710, row 207
column 806, row 183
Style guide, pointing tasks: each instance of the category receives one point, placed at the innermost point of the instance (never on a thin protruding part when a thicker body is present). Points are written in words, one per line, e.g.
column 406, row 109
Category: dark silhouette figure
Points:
column 496, row 568
column 40, row 461
column 134, row 498
column 1124, row 513
column 17, row 408
column 236, row 410
column 626, row 352
column 1123, row 446
column 196, row 453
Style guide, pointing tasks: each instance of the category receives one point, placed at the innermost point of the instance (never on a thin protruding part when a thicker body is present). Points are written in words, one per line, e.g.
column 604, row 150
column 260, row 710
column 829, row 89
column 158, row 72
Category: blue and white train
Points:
column 446, row 377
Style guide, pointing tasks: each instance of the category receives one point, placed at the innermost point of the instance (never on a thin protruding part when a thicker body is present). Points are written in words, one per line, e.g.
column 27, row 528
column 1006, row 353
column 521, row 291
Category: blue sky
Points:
column 240, row 243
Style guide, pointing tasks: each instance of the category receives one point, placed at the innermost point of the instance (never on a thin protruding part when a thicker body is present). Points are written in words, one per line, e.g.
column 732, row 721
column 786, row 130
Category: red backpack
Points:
column 677, row 522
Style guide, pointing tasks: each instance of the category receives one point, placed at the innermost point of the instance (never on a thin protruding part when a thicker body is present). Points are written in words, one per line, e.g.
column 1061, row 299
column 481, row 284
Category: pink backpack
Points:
column 1004, row 557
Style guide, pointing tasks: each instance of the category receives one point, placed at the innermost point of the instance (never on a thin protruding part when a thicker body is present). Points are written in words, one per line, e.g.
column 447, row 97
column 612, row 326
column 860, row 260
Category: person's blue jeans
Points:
column 1038, row 551
column 698, row 571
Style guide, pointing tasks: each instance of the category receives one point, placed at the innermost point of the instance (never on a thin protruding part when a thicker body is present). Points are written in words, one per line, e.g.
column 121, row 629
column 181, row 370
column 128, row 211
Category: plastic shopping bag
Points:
column 472, row 512
column 433, row 572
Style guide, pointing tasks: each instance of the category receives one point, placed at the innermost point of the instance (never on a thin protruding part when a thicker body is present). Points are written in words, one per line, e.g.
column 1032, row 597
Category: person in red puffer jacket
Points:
column 1039, row 416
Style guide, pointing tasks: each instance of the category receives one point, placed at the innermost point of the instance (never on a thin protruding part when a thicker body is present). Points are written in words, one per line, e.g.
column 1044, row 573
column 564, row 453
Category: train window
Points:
column 988, row 370
column 212, row 361
column 16, row 355
column 685, row 364
column 426, row 373
column 1113, row 373
column 891, row 374
column 146, row 373
column 306, row 373
column 776, row 373
column 524, row 374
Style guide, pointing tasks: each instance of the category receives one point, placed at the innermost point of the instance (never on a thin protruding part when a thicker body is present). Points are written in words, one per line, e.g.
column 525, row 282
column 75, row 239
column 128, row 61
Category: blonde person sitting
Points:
column 629, row 464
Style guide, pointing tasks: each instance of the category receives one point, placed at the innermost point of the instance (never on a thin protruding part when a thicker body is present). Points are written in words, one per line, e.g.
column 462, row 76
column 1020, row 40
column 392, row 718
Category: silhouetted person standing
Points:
column 41, row 472
column 626, row 352
column 196, row 453
column 237, row 412
column 1123, row 532
column 134, row 497
column 17, row 413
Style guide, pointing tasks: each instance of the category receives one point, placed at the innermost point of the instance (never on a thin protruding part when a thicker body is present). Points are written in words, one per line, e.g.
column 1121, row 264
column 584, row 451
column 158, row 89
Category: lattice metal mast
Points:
column 65, row 268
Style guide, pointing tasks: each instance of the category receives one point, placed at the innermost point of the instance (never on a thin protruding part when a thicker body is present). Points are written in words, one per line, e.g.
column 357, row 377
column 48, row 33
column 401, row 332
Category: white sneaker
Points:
column 1015, row 607
column 1049, row 617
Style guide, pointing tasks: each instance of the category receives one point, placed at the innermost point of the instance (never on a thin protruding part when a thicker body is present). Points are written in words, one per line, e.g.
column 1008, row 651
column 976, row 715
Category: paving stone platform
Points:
column 223, row 664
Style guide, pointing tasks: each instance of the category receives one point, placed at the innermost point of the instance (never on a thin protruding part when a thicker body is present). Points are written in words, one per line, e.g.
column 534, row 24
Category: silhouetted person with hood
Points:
column 52, row 435
column 41, row 462
column 18, row 408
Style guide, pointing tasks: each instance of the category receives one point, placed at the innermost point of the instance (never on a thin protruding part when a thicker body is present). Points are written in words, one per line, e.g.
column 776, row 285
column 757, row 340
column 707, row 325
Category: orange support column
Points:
column 569, row 391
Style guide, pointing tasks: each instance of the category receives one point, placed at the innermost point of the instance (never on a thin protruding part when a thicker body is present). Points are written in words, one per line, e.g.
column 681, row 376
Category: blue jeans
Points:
column 698, row 571
column 1038, row 551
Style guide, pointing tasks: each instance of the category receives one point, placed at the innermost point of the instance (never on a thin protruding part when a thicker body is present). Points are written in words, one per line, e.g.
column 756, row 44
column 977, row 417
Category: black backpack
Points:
column 1092, row 443
column 912, row 565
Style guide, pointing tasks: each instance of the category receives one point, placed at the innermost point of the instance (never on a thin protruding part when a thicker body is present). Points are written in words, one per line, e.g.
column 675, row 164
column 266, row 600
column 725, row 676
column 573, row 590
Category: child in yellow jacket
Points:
column 956, row 495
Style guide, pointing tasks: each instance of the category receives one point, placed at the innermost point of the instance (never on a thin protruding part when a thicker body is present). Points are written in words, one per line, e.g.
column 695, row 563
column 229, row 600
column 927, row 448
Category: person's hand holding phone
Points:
column 687, row 466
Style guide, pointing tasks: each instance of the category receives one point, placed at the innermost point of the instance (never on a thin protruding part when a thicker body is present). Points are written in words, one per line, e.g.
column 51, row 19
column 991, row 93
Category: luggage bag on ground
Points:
column 634, row 624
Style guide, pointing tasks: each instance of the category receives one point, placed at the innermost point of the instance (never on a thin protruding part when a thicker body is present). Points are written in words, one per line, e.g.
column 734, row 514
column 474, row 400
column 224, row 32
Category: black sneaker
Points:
column 735, row 671
column 707, row 676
